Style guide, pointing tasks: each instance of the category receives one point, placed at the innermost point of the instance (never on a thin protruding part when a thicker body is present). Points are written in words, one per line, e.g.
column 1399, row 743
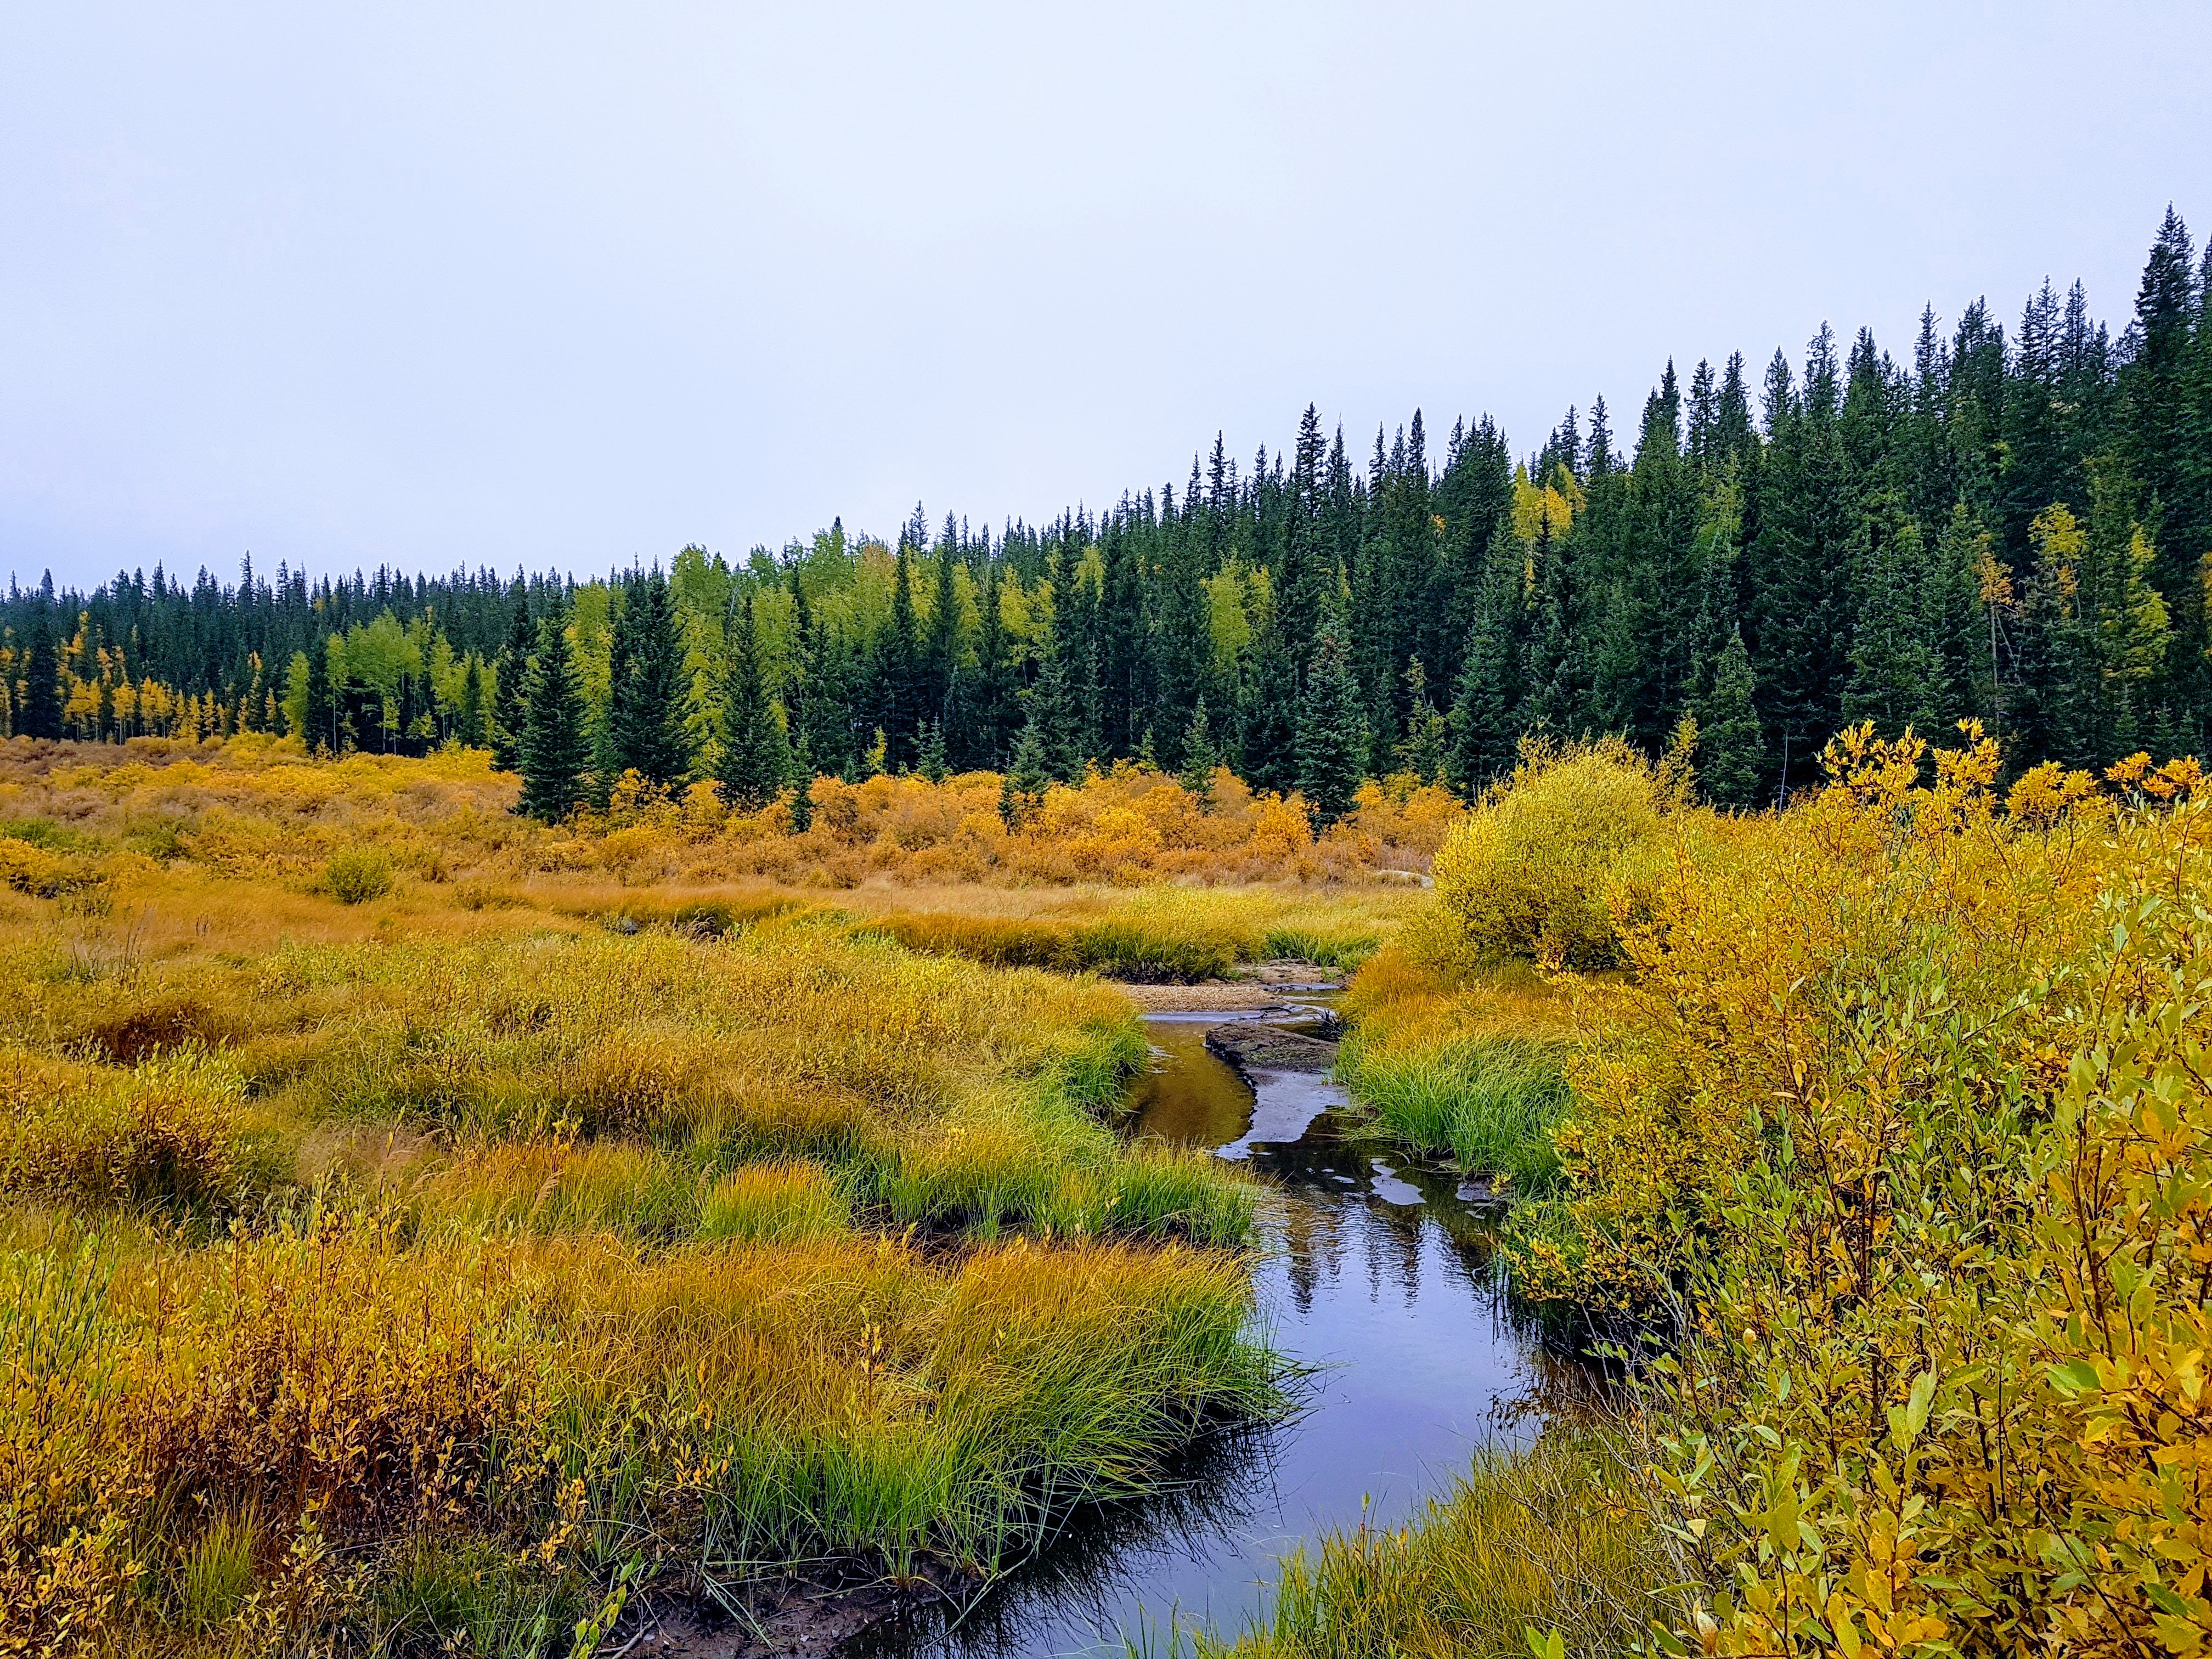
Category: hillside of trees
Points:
column 2015, row 526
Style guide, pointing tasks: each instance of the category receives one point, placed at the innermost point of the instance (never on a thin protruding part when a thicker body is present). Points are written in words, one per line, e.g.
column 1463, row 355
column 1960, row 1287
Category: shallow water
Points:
column 1378, row 1276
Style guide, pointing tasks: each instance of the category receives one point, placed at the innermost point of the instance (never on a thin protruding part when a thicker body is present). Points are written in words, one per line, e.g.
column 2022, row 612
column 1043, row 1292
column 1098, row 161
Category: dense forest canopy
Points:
column 2012, row 527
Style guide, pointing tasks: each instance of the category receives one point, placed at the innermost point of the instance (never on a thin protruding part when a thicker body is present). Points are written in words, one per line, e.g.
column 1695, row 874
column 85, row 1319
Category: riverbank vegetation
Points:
column 406, row 1244
column 1883, row 1164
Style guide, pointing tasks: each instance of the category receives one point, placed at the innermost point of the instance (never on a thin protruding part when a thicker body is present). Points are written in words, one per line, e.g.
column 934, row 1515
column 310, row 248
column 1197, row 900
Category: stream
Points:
column 1377, row 1275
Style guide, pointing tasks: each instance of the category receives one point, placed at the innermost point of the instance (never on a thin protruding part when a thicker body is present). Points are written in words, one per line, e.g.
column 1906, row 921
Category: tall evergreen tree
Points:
column 513, row 663
column 1731, row 748
column 1267, row 713
column 318, row 729
column 469, row 724
column 41, row 715
column 1199, row 757
column 648, row 687
column 755, row 761
column 556, row 749
column 1332, row 737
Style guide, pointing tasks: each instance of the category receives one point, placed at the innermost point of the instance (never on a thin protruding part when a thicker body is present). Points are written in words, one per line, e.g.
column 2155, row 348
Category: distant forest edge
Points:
column 2015, row 529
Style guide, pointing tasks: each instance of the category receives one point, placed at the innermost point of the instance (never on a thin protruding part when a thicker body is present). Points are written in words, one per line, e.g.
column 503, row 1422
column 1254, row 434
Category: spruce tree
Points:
column 469, row 721
column 1731, row 748
column 754, row 759
column 1026, row 778
column 41, row 715
column 1333, row 736
column 556, row 749
column 1199, row 757
column 1428, row 734
column 1897, row 667
column 1267, row 727
column 513, row 662
column 1053, row 717
column 648, row 687
column 319, row 726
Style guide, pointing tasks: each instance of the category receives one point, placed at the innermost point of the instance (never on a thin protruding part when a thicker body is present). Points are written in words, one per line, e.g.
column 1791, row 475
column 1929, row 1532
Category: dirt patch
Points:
column 1259, row 987
column 1233, row 998
column 1291, row 974
column 1250, row 1046
column 792, row 1616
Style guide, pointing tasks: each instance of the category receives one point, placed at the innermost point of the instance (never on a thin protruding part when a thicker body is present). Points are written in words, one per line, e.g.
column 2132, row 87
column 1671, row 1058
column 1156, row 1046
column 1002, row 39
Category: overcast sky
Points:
column 567, row 285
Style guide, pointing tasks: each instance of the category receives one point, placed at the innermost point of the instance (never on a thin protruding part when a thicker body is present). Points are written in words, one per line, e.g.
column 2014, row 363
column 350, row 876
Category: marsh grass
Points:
column 1553, row 1536
column 1463, row 1062
column 775, row 1203
column 1490, row 1104
column 474, row 1252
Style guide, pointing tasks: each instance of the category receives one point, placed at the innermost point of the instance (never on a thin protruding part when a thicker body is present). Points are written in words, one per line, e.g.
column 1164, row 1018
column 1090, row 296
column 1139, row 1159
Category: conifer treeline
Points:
column 2016, row 527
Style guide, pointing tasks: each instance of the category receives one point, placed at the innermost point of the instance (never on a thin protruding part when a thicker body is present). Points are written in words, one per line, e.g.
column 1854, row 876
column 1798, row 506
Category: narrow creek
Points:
column 1376, row 1274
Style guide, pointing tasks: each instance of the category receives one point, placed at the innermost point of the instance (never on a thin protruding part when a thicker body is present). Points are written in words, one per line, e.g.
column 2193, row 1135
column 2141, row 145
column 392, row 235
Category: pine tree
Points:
column 469, row 722
column 41, row 715
column 932, row 765
column 1332, row 737
column 897, row 658
column 1421, row 751
column 754, row 759
column 1267, row 731
column 507, row 700
column 1897, row 667
column 2125, row 617
column 1200, row 758
column 1026, row 779
column 556, row 748
column 1053, row 717
column 648, row 687
column 320, row 727
column 1732, row 749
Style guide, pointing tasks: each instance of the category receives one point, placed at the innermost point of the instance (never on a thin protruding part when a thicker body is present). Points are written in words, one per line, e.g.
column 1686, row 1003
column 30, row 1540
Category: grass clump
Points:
column 1464, row 1063
column 1553, row 1536
column 774, row 1203
column 1490, row 1104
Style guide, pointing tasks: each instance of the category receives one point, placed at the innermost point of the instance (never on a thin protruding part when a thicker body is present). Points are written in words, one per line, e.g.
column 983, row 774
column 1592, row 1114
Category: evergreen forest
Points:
column 2012, row 522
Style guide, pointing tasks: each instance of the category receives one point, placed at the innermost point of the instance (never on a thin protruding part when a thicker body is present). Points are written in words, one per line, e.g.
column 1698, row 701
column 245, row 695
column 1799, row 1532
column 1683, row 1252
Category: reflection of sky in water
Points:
column 1377, row 1275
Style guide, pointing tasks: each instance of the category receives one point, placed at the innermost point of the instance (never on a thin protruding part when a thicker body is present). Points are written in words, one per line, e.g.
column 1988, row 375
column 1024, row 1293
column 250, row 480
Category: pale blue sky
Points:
column 565, row 285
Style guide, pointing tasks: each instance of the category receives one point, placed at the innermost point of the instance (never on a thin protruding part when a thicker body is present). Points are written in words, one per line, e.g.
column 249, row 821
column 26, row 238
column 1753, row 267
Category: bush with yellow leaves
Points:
column 1900, row 1133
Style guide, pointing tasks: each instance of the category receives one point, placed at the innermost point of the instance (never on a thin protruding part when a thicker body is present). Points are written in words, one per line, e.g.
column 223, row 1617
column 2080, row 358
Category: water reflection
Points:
column 1378, row 1275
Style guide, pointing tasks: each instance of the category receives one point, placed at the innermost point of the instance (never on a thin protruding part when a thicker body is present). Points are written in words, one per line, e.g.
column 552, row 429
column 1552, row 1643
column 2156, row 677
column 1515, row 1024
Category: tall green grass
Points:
column 1557, row 1536
column 1489, row 1103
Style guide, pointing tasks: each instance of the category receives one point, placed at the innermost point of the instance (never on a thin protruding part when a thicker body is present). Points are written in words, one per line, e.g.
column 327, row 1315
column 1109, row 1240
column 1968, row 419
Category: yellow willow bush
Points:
column 1533, row 873
column 1903, row 1136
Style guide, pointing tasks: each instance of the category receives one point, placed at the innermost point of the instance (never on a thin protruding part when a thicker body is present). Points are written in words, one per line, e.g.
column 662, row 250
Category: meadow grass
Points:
column 393, row 1268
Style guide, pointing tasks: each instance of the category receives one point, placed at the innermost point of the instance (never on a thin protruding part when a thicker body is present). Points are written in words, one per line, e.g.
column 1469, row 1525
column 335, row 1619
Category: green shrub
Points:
column 358, row 874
